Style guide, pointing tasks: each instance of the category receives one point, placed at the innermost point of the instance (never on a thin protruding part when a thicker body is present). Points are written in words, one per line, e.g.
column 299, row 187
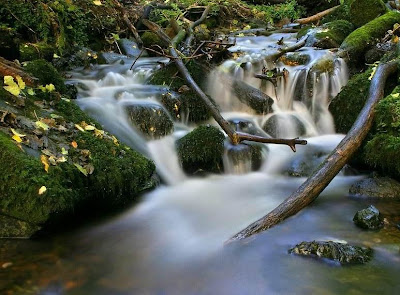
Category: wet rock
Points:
column 304, row 166
column 9, row 44
column 283, row 125
column 150, row 39
column 324, row 64
column 129, row 47
column 368, row 218
column 202, row 150
column 242, row 158
column 14, row 228
column 339, row 252
column 329, row 35
column 376, row 187
column 253, row 97
column 170, row 100
column 246, row 126
column 295, row 59
column 111, row 57
column 151, row 119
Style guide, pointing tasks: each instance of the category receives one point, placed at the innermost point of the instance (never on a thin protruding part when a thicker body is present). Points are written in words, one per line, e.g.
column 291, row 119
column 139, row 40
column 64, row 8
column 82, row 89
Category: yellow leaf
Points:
column 396, row 95
column 45, row 162
column 89, row 128
column 64, row 151
column 17, row 138
column 31, row 91
column 42, row 125
column 115, row 140
column 99, row 133
column 97, row 2
column 11, row 87
column 79, row 128
column 50, row 87
column 81, row 169
column 61, row 160
column 16, row 133
column 42, row 190
column 21, row 82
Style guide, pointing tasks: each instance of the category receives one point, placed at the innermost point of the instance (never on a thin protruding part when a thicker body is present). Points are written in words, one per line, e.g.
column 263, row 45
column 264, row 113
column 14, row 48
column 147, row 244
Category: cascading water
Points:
column 172, row 242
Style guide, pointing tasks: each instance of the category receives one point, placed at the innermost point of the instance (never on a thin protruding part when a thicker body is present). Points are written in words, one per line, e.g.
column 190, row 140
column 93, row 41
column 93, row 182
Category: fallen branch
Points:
column 190, row 38
column 9, row 68
column 320, row 179
column 234, row 136
column 316, row 17
column 281, row 51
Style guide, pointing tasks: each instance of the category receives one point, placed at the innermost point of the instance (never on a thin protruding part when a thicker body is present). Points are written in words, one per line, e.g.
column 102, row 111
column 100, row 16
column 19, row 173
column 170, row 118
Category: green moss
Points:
column 149, row 39
column 364, row 11
column 388, row 113
column 46, row 73
column 346, row 106
column 336, row 31
column 202, row 149
column 42, row 50
column 360, row 40
column 191, row 107
column 303, row 31
column 341, row 13
column 73, row 113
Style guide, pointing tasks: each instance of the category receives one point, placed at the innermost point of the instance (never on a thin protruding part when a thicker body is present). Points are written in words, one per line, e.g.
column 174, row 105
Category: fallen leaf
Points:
column 55, row 116
column 31, row 91
column 42, row 125
column 11, row 87
column 74, row 144
column 97, row 2
column 81, row 169
column 89, row 128
column 79, row 128
column 61, row 160
column 50, row 87
column 89, row 168
column 396, row 95
column 21, row 82
column 16, row 133
column 52, row 160
column 45, row 162
column 17, row 138
column 42, row 190
column 64, row 151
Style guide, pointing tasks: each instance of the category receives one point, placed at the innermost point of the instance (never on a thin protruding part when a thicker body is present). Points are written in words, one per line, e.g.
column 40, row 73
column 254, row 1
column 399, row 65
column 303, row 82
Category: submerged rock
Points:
column 342, row 253
column 202, row 150
column 246, row 126
column 151, row 119
column 283, row 125
column 242, row 158
column 376, row 187
column 368, row 218
column 253, row 97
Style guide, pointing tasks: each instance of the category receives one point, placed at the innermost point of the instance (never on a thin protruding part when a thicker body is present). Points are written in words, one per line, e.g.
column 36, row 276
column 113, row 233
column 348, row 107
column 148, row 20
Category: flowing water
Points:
column 172, row 241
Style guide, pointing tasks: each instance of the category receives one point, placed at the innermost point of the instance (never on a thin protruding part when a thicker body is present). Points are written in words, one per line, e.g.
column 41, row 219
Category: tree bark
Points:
column 316, row 17
column 320, row 179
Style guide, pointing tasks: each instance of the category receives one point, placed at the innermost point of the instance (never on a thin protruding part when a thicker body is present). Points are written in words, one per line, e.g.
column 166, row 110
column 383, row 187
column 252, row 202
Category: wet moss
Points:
column 364, row 11
column 360, row 40
column 346, row 106
column 42, row 50
column 46, row 73
column 202, row 149
column 149, row 39
column 333, row 33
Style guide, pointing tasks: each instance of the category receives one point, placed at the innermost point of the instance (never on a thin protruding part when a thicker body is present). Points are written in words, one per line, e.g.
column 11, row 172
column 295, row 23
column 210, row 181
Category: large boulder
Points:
column 368, row 218
column 150, row 119
column 201, row 150
column 364, row 11
column 339, row 252
column 376, row 187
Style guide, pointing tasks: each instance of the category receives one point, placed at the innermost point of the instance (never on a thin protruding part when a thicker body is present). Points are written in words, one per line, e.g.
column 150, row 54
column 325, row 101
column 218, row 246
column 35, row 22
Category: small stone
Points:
column 368, row 218
column 340, row 252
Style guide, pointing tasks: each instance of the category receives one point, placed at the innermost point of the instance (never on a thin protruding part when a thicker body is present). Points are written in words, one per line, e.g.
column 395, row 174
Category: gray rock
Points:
column 246, row 126
column 111, row 57
column 253, row 97
column 129, row 47
column 376, row 187
column 151, row 119
column 368, row 218
column 280, row 125
column 243, row 157
column 339, row 252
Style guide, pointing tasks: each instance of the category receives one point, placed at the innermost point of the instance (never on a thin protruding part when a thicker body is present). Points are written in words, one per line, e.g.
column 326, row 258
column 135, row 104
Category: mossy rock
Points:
column 342, row 253
column 245, row 126
column 191, row 105
column 376, row 187
column 14, row 228
column 31, row 51
column 295, row 59
column 150, row 119
column 46, row 73
column 202, row 150
column 346, row 106
column 149, row 39
column 333, row 34
column 369, row 218
column 364, row 11
column 362, row 39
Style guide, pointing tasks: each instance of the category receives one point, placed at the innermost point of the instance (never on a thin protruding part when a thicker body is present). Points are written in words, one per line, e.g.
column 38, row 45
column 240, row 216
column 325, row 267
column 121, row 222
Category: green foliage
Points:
column 274, row 13
column 202, row 149
column 388, row 113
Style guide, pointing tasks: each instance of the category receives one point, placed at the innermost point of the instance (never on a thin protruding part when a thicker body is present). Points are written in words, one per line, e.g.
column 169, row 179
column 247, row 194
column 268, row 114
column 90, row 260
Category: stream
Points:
column 171, row 242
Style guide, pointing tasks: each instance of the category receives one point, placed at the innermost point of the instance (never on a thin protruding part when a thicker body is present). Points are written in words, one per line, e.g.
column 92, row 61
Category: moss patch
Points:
column 202, row 149
column 42, row 50
column 333, row 33
column 364, row 11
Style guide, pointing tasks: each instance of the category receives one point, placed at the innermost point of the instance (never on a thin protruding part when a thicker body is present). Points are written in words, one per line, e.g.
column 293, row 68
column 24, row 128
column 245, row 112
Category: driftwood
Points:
column 320, row 179
column 316, row 17
column 234, row 136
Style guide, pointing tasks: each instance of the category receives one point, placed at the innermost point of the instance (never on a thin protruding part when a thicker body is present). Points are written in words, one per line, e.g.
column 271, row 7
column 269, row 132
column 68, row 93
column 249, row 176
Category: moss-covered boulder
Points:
column 339, row 252
column 150, row 39
column 368, row 218
column 332, row 34
column 150, row 119
column 362, row 39
column 364, row 11
column 33, row 51
column 376, row 187
column 46, row 73
column 346, row 106
column 295, row 59
column 191, row 107
column 202, row 150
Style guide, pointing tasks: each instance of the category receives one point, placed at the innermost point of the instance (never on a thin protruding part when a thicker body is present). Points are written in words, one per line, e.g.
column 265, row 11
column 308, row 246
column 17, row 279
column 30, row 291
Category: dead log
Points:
column 234, row 136
column 320, row 179
column 316, row 17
